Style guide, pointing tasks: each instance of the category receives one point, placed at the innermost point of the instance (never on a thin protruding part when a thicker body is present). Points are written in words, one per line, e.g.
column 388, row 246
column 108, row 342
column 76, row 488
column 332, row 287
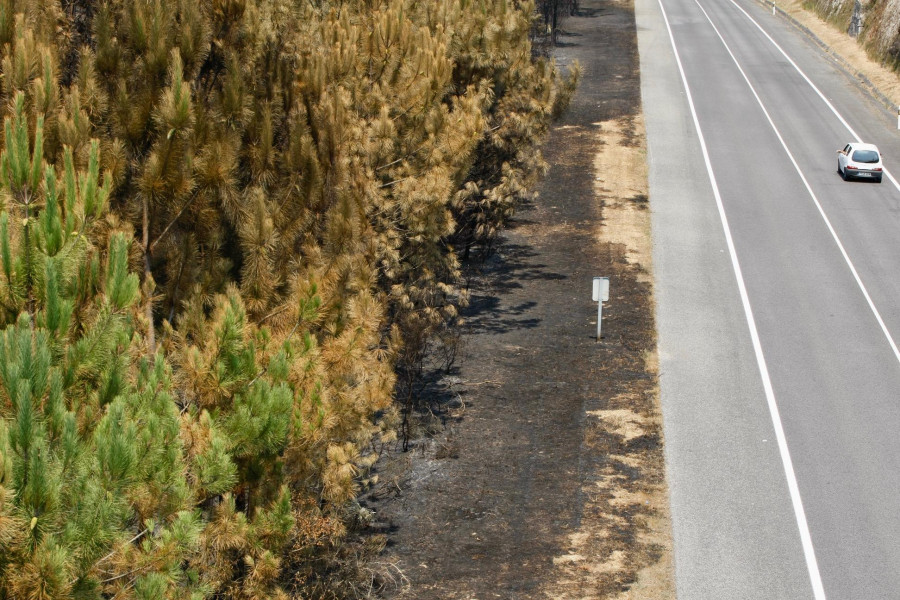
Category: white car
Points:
column 860, row 160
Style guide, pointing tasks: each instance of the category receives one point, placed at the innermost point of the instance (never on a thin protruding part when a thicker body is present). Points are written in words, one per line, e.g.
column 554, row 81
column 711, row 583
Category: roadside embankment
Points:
column 870, row 57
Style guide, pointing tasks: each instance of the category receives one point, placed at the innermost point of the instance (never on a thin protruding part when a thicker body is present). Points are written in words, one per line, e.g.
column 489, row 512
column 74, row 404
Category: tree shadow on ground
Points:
column 438, row 393
column 562, row 33
column 488, row 321
column 503, row 272
column 588, row 13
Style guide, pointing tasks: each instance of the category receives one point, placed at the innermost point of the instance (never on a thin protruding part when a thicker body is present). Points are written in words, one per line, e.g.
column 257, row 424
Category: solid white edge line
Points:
column 834, row 235
column 812, row 85
column 793, row 487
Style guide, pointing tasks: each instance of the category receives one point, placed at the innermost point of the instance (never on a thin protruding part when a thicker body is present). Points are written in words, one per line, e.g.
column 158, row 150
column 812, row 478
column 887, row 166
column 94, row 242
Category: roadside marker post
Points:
column 898, row 117
column 600, row 295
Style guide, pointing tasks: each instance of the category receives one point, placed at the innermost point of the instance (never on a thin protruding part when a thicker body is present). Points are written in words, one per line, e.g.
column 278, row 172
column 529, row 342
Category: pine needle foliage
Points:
column 89, row 437
column 225, row 228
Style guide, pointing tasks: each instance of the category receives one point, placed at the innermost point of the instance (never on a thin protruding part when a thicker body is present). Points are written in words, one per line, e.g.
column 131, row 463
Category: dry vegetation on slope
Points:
column 875, row 53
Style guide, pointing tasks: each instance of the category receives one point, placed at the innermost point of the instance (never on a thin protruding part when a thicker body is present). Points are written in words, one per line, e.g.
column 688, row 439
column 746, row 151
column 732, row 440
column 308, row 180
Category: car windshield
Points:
column 865, row 156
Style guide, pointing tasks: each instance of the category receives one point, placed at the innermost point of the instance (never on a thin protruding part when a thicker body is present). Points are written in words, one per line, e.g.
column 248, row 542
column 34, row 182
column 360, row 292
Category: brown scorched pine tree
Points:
column 225, row 226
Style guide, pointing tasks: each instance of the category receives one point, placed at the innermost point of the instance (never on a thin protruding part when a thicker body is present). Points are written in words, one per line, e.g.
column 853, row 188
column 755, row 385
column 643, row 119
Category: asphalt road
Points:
column 778, row 302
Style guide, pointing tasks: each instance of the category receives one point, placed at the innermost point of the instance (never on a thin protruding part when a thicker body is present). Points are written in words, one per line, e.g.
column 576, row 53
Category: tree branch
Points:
column 169, row 226
column 151, row 329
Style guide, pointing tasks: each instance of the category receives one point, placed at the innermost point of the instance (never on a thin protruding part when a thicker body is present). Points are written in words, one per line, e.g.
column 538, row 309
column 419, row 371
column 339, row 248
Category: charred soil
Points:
column 539, row 473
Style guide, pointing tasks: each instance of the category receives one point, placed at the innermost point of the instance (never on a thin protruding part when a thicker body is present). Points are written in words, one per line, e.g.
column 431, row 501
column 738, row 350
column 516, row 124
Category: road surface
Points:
column 778, row 292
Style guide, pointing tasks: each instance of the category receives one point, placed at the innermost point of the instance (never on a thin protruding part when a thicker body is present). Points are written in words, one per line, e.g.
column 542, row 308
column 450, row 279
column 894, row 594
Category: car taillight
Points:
column 852, row 167
column 877, row 169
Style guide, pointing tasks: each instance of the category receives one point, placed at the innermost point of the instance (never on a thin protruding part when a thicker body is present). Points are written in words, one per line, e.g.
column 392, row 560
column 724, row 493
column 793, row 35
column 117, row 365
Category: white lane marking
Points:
column 812, row 85
column 834, row 235
column 812, row 565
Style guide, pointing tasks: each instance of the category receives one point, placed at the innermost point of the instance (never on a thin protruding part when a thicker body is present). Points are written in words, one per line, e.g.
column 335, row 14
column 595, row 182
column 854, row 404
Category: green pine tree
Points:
column 90, row 450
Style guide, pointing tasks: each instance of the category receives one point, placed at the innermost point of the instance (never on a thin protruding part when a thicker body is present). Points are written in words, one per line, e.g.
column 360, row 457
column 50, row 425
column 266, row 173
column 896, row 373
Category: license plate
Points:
column 865, row 174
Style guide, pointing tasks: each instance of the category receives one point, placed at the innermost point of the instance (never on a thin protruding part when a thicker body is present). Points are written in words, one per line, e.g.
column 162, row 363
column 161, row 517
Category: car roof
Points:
column 862, row 146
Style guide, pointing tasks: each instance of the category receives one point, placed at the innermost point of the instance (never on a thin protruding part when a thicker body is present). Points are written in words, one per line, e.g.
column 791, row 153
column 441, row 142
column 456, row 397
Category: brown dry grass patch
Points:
column 620, row 180
column 628, row 430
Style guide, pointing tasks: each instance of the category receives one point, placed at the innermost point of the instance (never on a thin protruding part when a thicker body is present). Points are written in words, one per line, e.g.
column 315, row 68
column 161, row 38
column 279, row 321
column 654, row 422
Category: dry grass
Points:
column 598, row 559
column 620, row 181
column 620, row 168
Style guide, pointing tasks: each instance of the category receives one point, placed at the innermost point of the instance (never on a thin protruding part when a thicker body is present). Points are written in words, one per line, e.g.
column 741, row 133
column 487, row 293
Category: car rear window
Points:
column 865, row 156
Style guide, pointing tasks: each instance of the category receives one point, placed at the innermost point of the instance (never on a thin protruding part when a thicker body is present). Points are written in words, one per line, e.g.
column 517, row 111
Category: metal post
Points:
column 599, row 318
column 600, row 294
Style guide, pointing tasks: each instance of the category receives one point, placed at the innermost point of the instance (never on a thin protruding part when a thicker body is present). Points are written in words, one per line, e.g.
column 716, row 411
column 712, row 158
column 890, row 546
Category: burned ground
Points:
column 540, row 474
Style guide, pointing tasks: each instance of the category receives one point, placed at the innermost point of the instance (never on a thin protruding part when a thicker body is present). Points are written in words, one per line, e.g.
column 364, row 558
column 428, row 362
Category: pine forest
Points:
column 230, row 233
